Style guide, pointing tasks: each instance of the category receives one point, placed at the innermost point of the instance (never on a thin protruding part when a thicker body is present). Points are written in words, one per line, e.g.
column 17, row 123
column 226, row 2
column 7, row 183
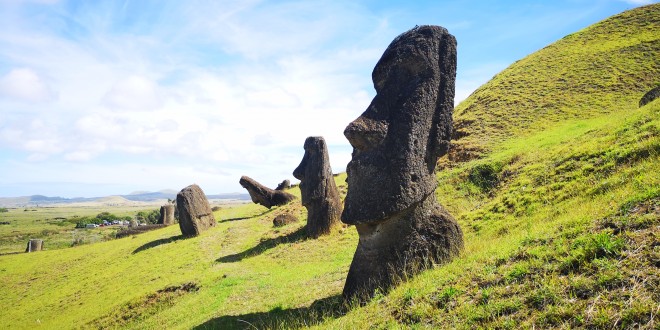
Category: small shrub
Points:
column 485, row 176
column 3, row 210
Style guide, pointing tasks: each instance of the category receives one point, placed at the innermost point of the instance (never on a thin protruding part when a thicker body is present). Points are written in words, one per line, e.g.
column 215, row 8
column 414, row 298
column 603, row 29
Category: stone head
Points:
column 313, row 169
column 399, row 137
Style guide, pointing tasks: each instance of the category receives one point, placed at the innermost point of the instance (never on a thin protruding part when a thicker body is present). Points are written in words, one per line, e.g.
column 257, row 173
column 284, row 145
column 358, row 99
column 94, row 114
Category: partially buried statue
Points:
column 391, row 181
column 263, row 195
column 195, row 214
column 317, row 188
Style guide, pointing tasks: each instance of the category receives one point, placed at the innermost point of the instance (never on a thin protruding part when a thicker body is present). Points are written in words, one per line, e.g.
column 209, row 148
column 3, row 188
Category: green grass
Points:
column 604, row 68
column 560, row 212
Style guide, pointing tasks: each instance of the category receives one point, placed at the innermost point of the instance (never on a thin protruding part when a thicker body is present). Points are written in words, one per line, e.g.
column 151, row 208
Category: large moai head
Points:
column 398, row 139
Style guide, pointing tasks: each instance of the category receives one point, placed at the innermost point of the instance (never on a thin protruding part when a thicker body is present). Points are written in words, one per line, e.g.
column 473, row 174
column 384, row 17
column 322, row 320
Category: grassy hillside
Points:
column 602, row 69
column 560, row 210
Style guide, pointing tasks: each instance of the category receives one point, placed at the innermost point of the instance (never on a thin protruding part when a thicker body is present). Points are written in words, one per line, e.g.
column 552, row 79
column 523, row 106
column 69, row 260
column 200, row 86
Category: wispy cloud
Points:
column 142, row 95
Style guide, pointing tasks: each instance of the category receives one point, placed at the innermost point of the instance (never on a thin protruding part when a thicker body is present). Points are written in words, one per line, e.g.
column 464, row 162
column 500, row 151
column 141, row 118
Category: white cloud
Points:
column 24, row 84
column 133, row 93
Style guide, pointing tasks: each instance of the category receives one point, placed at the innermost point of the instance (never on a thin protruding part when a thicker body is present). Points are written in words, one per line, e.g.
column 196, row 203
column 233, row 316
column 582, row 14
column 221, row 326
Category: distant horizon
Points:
column 100, row 98
column 134, row 193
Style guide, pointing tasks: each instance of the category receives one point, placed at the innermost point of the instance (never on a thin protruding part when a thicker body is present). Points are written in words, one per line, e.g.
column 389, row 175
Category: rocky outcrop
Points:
column 35, row 245
column 318, row 189
column 286, row 184
column 649, row 96
column 263, row 195
column 391, row 177
column 166, row 215
column 195, row 213
column 284, row 219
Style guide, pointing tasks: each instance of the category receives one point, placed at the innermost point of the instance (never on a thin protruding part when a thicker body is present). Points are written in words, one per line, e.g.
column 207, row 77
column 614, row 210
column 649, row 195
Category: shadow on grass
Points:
column 158, row 242
column 267, row 244
column 245, row 218
column 294, row 318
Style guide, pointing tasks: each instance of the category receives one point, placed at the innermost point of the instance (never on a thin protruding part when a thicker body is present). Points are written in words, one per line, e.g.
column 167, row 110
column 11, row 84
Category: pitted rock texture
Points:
column 318, row 189
column 650, row 96
column 195, row 213
column 263, row 195
column 391, row 177
column 286, row 184
column 166, row 215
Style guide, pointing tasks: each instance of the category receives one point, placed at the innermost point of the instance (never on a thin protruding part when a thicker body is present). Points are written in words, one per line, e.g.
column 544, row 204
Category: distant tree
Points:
column 2, row 209
column 148, row 216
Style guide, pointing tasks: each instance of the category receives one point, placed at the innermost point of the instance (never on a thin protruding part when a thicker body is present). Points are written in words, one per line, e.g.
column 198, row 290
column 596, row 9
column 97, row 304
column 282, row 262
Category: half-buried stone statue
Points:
column 263, row 195
column 317, row 188
column 166, row 215
column 34, row 245
column 195, row 213
column 391, row 181
column 286, row 184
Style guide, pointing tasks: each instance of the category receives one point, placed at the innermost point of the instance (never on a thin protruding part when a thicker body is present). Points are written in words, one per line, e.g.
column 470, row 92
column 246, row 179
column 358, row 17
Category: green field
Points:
column 56, row 226
column 557, row 192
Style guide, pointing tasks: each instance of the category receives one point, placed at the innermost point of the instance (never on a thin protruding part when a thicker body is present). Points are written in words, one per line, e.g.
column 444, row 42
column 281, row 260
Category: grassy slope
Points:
column 604, row 68
column 560, row 214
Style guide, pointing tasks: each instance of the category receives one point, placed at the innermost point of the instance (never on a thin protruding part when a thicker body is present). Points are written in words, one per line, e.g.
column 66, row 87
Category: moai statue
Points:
column 35, row 245
column 195, row 213
column 391, row 176
column 317, row 188
column 166, row 215
column 263, row 195
column 286, row 184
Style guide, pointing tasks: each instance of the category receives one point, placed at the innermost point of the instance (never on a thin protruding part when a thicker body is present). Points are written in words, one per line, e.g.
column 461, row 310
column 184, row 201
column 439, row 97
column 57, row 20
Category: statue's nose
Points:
column 365, row 133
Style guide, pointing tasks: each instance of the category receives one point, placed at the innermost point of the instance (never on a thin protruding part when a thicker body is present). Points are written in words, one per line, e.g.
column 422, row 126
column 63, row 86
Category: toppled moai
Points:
column 650, row 96
column 263, row 195
column 284, row 219
column 286, row 184
column 166, row 215
column 195, row 213
column 318, row 189
column 35, row 245
column 391, row 176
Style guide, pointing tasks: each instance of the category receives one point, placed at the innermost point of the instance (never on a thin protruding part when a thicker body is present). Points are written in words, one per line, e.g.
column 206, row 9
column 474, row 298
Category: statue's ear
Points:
column 441, row 131
column 440, row 137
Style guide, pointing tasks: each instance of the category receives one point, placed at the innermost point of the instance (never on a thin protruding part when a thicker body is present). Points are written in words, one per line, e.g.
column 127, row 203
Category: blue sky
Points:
column 108, row 97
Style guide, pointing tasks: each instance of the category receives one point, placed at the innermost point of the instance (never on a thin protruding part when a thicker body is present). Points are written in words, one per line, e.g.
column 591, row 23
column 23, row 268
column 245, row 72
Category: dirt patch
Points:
column 141, row 308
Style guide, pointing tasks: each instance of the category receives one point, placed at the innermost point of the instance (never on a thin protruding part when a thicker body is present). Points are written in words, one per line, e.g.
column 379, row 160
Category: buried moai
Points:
column 35, row 245
column 166, row 215
column 317, row 188
column 263, row 195
column 650, row 96
column 286, row 184
column 195, row 213
column 391, row 180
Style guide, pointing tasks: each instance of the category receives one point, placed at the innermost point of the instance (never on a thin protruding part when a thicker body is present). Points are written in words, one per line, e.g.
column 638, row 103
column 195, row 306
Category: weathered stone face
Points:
column 263, row 195
column 195, row 213
column 166, row 215
column 407, row 126
column 317, row 187
column 391, row 181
